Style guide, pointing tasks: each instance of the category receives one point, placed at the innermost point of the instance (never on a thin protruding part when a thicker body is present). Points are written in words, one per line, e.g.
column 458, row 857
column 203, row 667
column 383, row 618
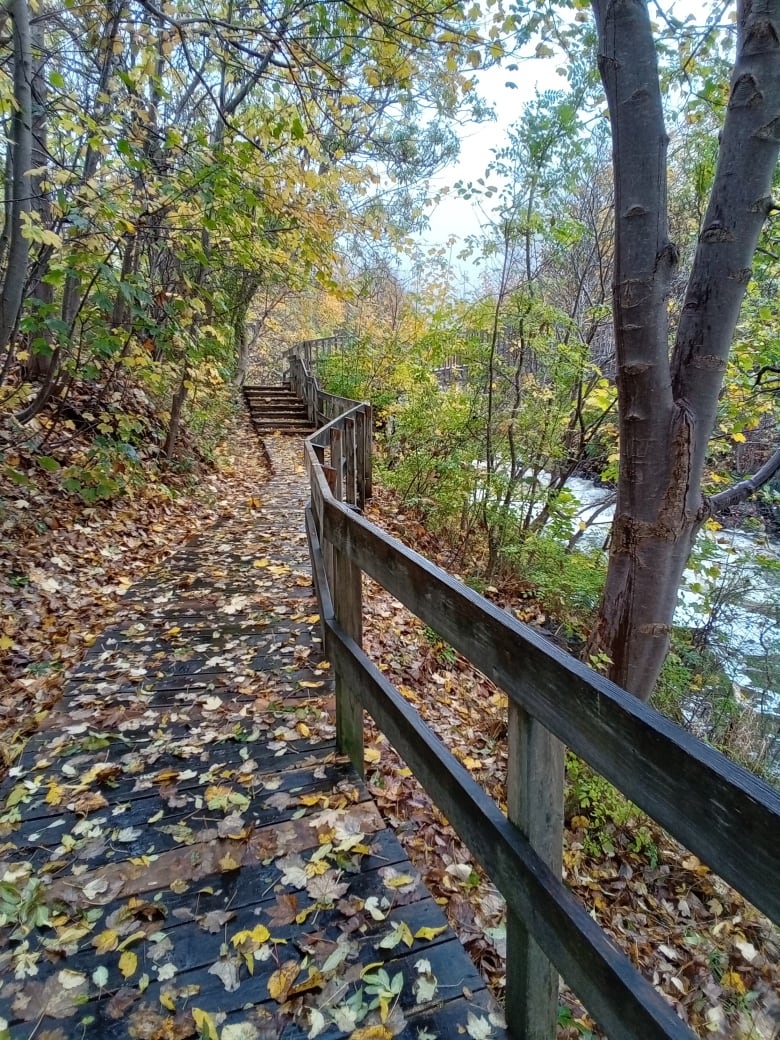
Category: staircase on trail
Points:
column 276, row 409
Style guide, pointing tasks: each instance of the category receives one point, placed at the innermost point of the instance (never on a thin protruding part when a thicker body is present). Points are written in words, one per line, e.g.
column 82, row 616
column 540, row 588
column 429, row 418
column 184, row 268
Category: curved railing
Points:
column 721, row 812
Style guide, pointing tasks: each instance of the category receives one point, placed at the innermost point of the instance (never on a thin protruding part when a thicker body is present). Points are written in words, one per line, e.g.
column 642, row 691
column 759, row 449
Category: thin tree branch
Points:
column 734, row 495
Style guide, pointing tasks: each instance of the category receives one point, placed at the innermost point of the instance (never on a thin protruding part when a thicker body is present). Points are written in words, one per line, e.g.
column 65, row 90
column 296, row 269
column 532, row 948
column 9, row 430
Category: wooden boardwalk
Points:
column 182, row 853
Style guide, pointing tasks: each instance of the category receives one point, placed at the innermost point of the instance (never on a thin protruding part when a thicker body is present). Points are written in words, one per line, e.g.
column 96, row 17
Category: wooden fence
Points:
column 721, row 812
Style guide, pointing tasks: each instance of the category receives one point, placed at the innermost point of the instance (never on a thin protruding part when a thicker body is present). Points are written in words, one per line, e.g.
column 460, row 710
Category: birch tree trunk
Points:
column 668, row 408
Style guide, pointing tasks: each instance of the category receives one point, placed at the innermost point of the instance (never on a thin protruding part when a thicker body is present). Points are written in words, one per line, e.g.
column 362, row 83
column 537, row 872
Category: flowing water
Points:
column 732, row 587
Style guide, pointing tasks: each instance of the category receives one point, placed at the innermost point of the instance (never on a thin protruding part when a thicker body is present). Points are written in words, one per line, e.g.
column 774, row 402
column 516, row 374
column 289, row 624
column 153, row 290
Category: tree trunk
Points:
column 21, row 152
column 39, row 291
column 667, row 412
column 177, row 405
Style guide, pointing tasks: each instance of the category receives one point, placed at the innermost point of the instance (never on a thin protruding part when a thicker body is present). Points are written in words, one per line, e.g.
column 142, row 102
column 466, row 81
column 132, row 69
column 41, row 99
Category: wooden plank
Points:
column 620, row 999
column 714, row 807
column 535, row 779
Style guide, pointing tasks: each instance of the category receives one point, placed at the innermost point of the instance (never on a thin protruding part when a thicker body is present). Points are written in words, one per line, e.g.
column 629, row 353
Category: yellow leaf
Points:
column 106, row 941
column 167, row 1001
column 216, row 796
column 281, row 981
column 205, row 1024
column 310, row 799
column 733, row 980
column 371, row 1033
column 5, row 641
column 261, row 563
column 228, row 863
column 258, row 935
column 55, row 794
column 128, row 963
column 740, row 439
column 311, row 685
column 135, row 937
column 399, row 880
column 370, row 967
column 372, row 754
column 314, row 981
column 430, row 933
column 406, row 934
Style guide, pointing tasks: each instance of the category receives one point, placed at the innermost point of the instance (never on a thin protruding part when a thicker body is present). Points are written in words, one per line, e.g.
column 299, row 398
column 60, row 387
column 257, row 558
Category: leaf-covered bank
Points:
column 713, row 956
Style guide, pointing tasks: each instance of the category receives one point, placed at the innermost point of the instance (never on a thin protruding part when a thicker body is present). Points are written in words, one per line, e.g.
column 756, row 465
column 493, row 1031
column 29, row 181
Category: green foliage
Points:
column 566, row 1018
column 429, row 454
column 594, row 801
column 158, row 212
column 567, row 583
column 22, row 905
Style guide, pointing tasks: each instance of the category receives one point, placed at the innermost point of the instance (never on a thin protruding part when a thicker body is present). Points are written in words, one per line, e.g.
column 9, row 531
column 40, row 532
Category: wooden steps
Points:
column 276, row 409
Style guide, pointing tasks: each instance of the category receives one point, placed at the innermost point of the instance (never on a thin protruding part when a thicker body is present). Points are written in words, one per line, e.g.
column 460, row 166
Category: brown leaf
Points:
column 215, row 920
column 284, row 910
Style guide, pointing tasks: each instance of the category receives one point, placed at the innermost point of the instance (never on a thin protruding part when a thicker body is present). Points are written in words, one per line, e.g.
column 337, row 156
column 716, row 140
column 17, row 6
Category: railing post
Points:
column 348, row 608
column 350, row 459
column 360, row 457
column 369, row 453
column 535, row 777
column 337, row 461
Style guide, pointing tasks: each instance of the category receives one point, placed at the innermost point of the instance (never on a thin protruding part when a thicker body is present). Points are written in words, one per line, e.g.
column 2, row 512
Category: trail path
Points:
column 182, row 852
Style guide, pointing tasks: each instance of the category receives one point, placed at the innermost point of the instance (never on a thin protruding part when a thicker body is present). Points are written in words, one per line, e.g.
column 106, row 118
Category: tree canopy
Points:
column 168, row 165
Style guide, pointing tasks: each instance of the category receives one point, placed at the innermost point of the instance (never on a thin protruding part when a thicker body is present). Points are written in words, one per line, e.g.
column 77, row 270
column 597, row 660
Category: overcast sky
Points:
column 457, row 218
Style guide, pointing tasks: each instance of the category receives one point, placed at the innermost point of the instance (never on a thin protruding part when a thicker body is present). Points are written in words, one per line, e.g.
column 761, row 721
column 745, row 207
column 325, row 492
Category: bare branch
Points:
column 734, row 495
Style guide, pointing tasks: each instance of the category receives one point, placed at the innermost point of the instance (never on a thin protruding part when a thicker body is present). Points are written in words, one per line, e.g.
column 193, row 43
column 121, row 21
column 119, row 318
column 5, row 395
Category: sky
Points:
column 456, row 218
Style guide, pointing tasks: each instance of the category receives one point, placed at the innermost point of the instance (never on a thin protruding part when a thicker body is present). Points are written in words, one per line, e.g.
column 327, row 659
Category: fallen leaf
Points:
column 281, row 981
column 128, row 963
column 227, row 970
column 205, row 1024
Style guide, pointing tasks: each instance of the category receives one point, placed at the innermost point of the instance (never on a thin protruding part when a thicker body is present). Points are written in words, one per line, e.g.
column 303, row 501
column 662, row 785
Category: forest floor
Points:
column 64, row 570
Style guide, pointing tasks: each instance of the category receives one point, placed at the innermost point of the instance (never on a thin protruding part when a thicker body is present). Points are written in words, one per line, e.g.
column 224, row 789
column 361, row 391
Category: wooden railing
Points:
column 347, row 464
column 721, row 812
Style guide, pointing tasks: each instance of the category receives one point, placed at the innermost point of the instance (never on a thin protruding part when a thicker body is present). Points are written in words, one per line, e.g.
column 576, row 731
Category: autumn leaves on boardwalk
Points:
column 184, row 854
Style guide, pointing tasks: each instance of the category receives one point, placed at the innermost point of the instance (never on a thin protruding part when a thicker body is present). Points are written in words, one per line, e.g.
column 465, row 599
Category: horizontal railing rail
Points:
column 729, row 818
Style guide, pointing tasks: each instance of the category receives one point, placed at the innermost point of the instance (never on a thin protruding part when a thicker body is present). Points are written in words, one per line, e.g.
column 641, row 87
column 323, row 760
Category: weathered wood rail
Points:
column 721, row 812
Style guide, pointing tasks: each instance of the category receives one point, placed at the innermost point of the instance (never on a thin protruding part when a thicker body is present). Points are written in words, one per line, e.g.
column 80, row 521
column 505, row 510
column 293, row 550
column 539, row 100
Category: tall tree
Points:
column 668, row 404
